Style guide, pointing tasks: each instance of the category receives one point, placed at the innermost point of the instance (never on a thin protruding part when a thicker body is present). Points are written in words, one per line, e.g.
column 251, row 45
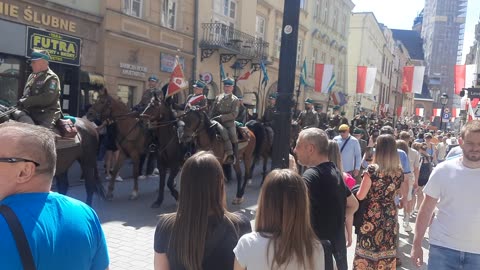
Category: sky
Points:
column 397, row 14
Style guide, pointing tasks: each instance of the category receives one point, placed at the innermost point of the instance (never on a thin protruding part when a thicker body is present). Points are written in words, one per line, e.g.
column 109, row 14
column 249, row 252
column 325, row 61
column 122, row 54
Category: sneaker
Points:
column 155, row 171
column 119, row 178
column 108, row 177
column 408, row 228
column 142, row 177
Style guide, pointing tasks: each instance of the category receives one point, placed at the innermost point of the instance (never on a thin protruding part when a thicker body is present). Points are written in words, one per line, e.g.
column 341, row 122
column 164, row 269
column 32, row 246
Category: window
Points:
column 229, row 8
column 299, row 52
column 303, row 4
column 133, row 7
column 9, row 80
column 278, row 41
column 260, row 27
column 324, row 56
column 314, row 60
column 325, row 12
column 168, row 13
column 126, row 94
column 316, row 13
column 340, row 73
column 335, row 21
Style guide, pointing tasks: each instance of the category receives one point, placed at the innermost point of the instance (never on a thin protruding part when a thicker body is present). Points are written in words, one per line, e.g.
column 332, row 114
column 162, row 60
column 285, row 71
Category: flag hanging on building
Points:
column 419, row 111
column 366, row 79
column 400, row 110
column 177, row 80
column 246, row 75
column 332, row 83
column 437, row 112
column 455, row 112
column 323, row 78
column 303, row 73
column 464, row 77
column 222, row 73
column 338, row 98
column 265, row 74
column 413, row 79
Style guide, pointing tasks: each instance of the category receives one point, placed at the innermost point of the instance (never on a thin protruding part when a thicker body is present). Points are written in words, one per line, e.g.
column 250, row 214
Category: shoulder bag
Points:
column 19, row 235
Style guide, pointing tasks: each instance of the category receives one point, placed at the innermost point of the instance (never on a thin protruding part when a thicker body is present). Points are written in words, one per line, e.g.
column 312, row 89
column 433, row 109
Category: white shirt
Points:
column 441, row 150
column 251, row 252
column 457, row 224
column 414, row 159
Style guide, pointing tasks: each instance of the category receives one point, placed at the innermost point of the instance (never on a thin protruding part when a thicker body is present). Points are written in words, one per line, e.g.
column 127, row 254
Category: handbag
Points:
column 425, row 171
column 20, row 239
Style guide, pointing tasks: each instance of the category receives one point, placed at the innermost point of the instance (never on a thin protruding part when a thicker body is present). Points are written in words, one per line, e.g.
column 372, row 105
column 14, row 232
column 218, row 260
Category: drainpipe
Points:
column 195, row 41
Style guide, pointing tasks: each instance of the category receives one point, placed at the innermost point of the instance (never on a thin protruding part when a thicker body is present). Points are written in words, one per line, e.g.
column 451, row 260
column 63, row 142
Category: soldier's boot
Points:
column 22, row 116
column 230, row 157
column 235, row 152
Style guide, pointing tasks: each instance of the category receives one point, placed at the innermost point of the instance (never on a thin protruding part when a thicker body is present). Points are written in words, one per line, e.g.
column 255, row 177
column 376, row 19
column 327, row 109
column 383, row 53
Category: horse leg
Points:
column 264, row 173
column 136, row 168
column 162, row 173
column 116, row 168
column 62, row 182
column 90, row 181
column 227, row 171
column 171, row 182
column 240, row 187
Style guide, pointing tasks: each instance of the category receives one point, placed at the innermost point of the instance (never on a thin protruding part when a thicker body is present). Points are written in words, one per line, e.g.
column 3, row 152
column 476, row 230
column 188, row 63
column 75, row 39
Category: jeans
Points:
column 339, row 249
column 442, row 258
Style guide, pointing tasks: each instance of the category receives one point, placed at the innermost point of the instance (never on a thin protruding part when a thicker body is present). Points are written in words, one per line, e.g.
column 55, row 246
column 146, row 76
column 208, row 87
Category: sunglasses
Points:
column 16, row 160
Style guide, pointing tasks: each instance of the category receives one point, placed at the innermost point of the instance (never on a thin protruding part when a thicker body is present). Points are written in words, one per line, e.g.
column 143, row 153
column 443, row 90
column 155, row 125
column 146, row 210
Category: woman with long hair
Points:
column 283, row 237
column 202, row 233
column 377, row 239
column 335, row 156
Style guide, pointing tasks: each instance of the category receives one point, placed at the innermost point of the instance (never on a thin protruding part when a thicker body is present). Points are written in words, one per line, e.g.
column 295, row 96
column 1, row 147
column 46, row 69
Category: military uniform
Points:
column 242, row 114
column 268, row 116
column 308, row 117
column 147, row 97
column 41, row 98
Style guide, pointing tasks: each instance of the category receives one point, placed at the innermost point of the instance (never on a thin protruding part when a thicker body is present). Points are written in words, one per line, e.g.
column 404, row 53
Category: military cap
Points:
column 40, row 54
column 199, row 84
column 273, row 96
column 228, row 82
column 308, row 101
column 153, row 78
column 240, row 97
column 357, row 131
column 342, row 113
column 336, row 108
column 318, row 107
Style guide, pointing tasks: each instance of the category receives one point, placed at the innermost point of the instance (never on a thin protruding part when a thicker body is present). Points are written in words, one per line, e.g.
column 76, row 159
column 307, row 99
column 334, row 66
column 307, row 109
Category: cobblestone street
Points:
column 130, row 225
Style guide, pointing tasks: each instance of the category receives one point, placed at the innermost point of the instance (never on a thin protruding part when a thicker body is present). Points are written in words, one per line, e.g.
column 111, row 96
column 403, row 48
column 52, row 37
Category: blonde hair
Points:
column 334, row 154
column 386, row 155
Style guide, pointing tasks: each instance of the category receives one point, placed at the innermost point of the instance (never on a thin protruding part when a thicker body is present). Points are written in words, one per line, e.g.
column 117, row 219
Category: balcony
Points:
column 230, row 42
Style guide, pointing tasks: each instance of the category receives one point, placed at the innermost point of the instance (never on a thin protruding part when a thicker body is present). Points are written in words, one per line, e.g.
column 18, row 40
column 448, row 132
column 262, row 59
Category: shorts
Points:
column 411, row 182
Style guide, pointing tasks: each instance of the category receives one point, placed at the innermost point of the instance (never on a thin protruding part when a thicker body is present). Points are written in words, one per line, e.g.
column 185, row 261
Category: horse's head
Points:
column 157, row 111
column 195, row 121
column 102, row 108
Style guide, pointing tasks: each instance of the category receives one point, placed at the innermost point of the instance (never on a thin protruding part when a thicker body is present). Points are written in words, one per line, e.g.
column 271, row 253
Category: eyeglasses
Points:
column 16, row 160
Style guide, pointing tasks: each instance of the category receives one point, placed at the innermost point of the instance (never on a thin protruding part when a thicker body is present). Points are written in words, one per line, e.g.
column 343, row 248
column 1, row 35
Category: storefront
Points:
column 64, row 32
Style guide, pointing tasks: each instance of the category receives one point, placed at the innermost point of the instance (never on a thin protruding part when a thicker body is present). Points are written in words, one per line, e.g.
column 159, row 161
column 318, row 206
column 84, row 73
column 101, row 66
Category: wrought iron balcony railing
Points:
column 221, row 36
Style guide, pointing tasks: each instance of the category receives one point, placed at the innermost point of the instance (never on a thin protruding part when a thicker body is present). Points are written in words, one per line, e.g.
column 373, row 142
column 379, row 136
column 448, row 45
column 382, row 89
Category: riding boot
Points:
column 230, row 159
column 235, row 152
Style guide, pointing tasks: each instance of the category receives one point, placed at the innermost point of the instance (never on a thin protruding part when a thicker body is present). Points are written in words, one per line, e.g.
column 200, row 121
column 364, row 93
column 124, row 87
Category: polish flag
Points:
column 246, row 75
column 413, row 79
column 456, row 112
column 323, row 75
column 436, row 112
column 400, row 110
column 464, row 77
column 177, row 80
column 419, row 111
column 366, row 79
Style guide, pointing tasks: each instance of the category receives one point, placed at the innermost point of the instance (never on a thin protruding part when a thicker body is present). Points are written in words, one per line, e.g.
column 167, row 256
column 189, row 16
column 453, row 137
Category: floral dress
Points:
column 377, row 240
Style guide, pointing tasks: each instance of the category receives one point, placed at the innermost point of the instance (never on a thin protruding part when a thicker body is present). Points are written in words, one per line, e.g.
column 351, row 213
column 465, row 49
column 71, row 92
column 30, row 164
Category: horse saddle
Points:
column 242, row 134
column 66, row 133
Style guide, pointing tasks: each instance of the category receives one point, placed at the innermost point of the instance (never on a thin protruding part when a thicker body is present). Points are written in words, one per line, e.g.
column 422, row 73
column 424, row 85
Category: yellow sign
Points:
column 62, row 48
column 30, row 15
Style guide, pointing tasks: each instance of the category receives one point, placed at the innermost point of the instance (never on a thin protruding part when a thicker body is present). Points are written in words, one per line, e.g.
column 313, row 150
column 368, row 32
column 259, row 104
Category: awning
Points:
column 91, row 79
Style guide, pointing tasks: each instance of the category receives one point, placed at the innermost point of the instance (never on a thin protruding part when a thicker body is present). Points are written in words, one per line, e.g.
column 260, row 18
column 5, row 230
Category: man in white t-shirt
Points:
column 453, row 188
column 414, row 159
column 441, row 149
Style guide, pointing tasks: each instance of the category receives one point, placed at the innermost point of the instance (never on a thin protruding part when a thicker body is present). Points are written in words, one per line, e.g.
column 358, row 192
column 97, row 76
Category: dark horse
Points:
column 85, row 153
column 169, row 156
column 199, row 128
column 263, row 146
column 130, row 136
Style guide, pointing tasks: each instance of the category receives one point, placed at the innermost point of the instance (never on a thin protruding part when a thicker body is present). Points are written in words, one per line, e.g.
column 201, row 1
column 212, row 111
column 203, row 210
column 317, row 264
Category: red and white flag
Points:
column 419, row 111
column 456, row 112
column 400, row 110
column 177, row 80
column 464, row 77
column 366, row 79
column 323, row 75
column 246, row 75
column 413, row 79
column 436, row 112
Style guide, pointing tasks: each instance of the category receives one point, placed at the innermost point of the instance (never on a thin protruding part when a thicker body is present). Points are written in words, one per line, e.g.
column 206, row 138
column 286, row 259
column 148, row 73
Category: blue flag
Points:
column 222, row 73
column 303, row 73
column 265, row 74
column 332, row 82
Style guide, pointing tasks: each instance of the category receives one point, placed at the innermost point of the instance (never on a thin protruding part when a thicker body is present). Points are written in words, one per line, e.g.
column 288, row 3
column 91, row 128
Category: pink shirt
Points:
column 349, row 180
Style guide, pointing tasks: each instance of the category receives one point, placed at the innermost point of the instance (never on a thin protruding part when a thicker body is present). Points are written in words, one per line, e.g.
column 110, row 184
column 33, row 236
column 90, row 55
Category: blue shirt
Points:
column 403, row 161
column 351, row 154
column 63, row 233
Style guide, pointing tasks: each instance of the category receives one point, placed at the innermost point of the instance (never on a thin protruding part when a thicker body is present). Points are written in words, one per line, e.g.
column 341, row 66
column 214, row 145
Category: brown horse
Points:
column 86, row 155
column 199, row 128
column 130, row 136
column 170, row 154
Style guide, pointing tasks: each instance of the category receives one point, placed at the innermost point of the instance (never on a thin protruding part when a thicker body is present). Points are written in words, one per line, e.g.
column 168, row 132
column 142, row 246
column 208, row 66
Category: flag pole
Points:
column 262, row 98
column 298, row 96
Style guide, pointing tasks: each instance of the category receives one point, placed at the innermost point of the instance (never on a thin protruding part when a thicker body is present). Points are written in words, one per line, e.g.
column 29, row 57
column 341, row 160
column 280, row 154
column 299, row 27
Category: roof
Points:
column 412, row 41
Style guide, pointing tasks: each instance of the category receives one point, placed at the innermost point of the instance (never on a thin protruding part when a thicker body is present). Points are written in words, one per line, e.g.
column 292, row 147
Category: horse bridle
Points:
column 200, row 125
column 161, row 123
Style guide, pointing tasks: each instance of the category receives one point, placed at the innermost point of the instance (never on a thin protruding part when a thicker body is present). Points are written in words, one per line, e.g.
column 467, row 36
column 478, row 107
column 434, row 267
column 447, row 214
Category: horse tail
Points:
column 259, row 131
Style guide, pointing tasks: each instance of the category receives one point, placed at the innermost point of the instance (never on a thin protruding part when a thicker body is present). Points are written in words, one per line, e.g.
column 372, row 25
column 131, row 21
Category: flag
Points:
column 419, row 111
column 400, row 110
column 265, row 74
column 455, row 112
column 323, row 78
column 366, row 79
column 246, row 75
column 177, row 80
column 222, row 73
column 332, row 82
column 303, row 73
column 436, row 112
column 413, row 79
column 464, row 77
column 338, row 98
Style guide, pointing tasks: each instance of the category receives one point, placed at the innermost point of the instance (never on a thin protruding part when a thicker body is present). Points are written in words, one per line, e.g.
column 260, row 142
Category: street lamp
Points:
column 443, row 101
column 237, row 67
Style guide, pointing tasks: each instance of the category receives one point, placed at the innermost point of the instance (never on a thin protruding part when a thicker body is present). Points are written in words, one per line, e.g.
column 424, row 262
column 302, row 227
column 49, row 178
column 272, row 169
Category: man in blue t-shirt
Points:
column 62, row 233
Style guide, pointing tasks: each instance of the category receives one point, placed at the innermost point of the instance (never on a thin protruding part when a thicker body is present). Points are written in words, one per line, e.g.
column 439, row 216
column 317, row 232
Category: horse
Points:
column 162, row 120
column 85, row 153
column 199, row 128
column 130, row 137
column 263, row 146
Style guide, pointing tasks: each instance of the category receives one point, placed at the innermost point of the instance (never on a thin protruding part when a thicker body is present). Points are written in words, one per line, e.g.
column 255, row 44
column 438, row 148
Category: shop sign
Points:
column 62, row 48
column 167, row 62
column 30, row 14
column 133, row 70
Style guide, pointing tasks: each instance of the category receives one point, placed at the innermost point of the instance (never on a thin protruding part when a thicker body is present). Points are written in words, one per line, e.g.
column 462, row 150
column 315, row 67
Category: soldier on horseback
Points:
column 40, row 103
column 322, row 117
column 308, row 117
column 224, row 111
column 148, row 94
column 269, row 114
